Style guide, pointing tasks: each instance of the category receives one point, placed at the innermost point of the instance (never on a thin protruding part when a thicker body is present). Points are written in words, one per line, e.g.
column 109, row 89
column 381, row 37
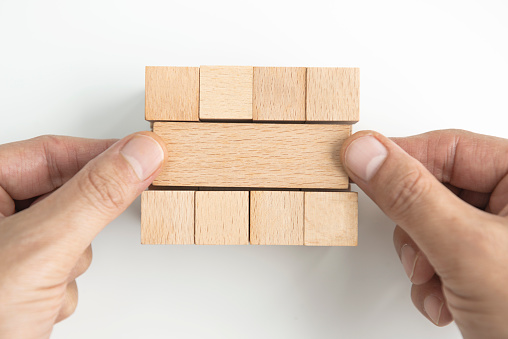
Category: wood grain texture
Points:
column 167, row 217
column 276, row 217
column 247, row 155
column 331, row 218
column 172, row 93
column 279, row 93
column 222, row 218
column 333, row 94
column 225, row 93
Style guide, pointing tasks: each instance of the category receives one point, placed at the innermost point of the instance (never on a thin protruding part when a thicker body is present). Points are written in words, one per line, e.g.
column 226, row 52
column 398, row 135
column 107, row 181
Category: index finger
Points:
column 33, row 167
column 463, row 159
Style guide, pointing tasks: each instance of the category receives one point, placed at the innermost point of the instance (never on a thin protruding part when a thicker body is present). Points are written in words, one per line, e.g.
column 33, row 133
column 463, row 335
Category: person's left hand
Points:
column 56, row 195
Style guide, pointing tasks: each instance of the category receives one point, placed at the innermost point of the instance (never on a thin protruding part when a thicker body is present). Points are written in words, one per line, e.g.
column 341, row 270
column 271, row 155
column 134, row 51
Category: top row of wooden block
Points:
column 252, row 93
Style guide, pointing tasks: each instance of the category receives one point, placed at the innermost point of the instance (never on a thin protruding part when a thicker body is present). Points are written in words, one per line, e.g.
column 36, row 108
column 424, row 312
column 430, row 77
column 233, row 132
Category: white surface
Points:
column 77, row 68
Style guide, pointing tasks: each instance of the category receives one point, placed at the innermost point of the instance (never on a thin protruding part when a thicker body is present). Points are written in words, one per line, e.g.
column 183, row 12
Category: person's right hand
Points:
column 448, row 192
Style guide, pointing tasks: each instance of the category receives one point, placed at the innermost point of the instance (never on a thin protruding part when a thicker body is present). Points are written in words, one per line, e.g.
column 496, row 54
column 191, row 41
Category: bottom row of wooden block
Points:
column 243, row 217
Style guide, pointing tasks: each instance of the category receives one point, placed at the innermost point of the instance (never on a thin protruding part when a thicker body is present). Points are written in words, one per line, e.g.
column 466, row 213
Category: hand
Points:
column 72, row 193
column 448, row 193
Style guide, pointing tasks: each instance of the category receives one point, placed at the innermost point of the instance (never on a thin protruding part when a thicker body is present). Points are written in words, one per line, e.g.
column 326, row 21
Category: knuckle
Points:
column 85, row 260
column 49, row 139
column 408, row 191
column 70, row 303
column 104, row 191
column 88, row 255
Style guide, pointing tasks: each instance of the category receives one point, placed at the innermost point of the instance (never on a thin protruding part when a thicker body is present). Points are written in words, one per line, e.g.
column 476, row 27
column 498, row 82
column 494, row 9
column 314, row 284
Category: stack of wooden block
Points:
column 253, row 156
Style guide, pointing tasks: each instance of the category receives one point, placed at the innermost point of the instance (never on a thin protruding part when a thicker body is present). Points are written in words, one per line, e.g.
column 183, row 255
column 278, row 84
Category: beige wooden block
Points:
column 333, row 94
column 248, row 155
column 276, row 217
column 172, row 93
column 225, row 93
column 222, row 218
column 167, row 217
column 279, row 93
column 331, row 218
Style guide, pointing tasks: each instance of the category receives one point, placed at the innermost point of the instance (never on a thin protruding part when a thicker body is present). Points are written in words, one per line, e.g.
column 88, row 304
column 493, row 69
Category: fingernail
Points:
column 364, row 156
column 144, row 154
column 433, row 306
column 408, row 259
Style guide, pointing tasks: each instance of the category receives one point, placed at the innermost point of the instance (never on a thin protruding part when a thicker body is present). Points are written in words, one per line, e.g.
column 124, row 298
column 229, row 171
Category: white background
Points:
column 77, row 68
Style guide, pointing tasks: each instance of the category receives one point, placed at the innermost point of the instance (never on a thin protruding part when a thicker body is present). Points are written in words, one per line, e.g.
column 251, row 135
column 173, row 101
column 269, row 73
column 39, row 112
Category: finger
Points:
column 7, row 205
column 67, row 220
column 408, row 194
column 83, row 263
column 70, row 302
column 464, row 159
column 37, row 166
column 476, row 199
column 415, row 262
column 504, row 212
column 430, row 301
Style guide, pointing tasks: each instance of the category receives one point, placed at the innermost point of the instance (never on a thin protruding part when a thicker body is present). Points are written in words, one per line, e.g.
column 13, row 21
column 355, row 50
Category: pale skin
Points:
column 447, row 191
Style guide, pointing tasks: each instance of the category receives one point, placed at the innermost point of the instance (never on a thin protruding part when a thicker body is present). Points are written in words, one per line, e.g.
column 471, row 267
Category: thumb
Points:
column 406, row 191
column 72, row 216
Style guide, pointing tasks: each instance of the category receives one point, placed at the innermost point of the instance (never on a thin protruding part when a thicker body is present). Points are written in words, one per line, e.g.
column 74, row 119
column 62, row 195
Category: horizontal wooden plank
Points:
column 251, row 155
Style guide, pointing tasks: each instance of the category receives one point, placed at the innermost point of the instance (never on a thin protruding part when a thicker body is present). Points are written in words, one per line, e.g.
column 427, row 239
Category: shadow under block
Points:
column 279, row 93
column 171, row 93
column 225, row 93
column 276, row 217
column 333, row 94
column 248, row 155
column 222, row 218
column 331, row 218
column 167, row 217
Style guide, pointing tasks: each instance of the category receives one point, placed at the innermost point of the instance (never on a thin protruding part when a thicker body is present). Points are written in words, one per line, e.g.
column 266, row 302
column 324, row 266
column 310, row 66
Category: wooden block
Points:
column 167, row 217
column 276, row 217
column 333, row 94
column 248, row 155
column 225, row 93
column 222, row 218
column 331, row 218
column 279, row 93
column 172, row 93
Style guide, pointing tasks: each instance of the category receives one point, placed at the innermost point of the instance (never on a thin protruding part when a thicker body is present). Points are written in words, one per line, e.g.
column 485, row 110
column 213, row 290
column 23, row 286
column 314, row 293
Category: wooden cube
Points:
column 333, row 94
column 222, row 218
column 225, row 93
column 167, row 217
column 331, row 218
column 172, row 93
column 279, row 94
column 276, row 217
